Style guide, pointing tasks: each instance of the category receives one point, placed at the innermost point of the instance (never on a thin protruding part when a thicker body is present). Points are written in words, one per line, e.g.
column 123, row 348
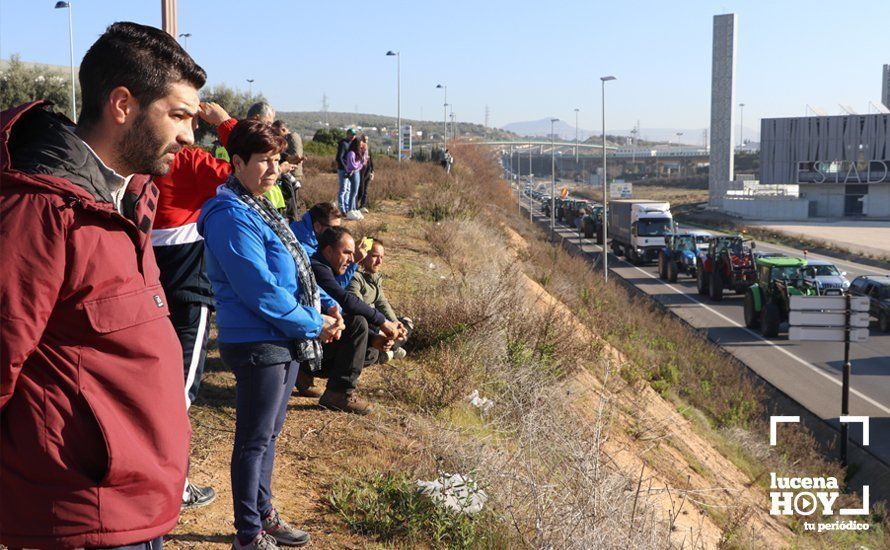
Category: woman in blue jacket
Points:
column 269, row 313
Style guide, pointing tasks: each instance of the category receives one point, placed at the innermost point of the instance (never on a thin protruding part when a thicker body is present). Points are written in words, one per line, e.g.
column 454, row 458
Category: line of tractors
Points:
column 720, row 263
column 730, row 263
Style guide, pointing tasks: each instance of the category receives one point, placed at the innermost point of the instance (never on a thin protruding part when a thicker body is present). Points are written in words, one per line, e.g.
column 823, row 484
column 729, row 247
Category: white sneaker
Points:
column 400, row 353
column 363, row 210
column 358, row 215
column 353, row 215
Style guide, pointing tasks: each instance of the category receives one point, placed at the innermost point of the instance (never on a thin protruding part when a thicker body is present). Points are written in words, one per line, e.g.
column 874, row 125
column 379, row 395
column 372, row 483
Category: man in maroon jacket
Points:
column 92, row 418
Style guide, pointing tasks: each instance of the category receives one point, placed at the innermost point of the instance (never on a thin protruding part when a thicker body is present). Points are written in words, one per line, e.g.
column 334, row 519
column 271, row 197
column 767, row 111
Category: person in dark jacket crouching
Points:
column 367, row 332
column 94, row 435
column 270, row 318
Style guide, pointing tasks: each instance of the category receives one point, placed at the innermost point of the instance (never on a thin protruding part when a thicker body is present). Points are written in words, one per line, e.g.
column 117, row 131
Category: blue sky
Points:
column 525, row 60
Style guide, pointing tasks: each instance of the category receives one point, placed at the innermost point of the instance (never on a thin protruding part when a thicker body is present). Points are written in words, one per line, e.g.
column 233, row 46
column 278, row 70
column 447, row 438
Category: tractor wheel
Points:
column 751, row 315
column 701, row 283
column 672, row 272
column 884, row 322
column 769, row 320
column 715, row 286
column 662, row 268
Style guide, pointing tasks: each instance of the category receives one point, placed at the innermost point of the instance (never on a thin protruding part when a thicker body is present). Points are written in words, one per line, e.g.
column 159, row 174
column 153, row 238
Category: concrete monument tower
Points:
column 720, row 172
column 885, row 87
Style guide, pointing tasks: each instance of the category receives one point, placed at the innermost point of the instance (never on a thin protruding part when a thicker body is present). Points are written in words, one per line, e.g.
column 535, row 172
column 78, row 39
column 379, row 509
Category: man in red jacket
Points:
column 93, row 425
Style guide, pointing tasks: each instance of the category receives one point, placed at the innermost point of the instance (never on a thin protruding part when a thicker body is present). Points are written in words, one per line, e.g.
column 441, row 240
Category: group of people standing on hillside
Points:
column 355, row 171
column 121, row 238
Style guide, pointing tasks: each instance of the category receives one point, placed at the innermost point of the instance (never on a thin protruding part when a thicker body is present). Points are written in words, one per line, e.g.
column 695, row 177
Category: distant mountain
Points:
column 566, row 131
column 307, row 122
column 542, row 128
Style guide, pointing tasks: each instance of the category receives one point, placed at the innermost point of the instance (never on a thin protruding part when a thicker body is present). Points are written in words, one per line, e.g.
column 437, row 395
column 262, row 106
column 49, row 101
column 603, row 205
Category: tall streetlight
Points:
column 62, row 5
column 679, row 135
column 398, row 57
column 552, row 179
column 530, row 179
column 444, row 89
column 605, row 79
column 250, row 83
column 576, row 135
column 186, row 35
column 741, row 125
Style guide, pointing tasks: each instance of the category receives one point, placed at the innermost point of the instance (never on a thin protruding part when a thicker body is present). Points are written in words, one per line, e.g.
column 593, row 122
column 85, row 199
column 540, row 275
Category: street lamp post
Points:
column 576, row 135
column 605, row 79
column 552, row 179
column 186, row 35
column 250, row 83
column 741, row 125
column 530, row 181
column 398, row 56
column 444, row 89
column 62, row 5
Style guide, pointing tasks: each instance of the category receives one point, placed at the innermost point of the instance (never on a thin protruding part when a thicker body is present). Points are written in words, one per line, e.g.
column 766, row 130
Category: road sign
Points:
column 621, row 190
column 827, row 334
column 832, row 319
column 405, row 146
column 858, row 319
column 831, row 303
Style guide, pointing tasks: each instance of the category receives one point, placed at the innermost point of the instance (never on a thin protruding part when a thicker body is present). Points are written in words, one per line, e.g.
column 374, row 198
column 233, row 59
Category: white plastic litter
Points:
column 482, row 403
column 457, row 492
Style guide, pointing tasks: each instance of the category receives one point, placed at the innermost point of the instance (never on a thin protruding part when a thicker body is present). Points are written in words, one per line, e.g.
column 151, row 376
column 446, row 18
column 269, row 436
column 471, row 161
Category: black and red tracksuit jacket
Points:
column 193, row 178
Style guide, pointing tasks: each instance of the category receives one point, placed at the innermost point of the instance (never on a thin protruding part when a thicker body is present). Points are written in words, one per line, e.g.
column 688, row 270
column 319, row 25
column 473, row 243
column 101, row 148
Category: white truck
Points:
column 637, row 228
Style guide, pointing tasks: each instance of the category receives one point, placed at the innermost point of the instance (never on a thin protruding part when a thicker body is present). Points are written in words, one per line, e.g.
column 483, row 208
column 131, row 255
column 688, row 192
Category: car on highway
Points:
column 826, row 277
column 877, row 288
column 768, row 300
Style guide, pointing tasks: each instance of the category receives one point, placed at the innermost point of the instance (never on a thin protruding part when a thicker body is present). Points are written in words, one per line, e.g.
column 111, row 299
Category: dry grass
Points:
column 543, row 463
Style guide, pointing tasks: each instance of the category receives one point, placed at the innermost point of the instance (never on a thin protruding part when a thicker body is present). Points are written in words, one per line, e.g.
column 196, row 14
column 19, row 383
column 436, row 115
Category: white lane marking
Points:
column 803, row 362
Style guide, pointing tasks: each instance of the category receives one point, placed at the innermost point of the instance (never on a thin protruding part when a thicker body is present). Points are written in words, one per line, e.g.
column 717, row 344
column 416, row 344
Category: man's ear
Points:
column 122, row 105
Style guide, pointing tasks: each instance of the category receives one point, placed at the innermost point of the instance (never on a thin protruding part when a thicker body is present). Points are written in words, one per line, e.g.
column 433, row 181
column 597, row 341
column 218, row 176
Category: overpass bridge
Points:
column 536, row 156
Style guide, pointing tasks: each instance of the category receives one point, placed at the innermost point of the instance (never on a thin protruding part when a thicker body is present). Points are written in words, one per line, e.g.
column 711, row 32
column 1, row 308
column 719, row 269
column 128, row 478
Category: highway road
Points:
column 808, row 372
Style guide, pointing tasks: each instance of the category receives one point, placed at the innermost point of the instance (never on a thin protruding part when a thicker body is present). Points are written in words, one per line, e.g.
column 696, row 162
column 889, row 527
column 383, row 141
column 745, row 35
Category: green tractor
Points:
column 768, row 300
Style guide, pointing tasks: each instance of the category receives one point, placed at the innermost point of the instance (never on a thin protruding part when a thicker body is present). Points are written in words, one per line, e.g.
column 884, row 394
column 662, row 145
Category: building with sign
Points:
column 840, row 164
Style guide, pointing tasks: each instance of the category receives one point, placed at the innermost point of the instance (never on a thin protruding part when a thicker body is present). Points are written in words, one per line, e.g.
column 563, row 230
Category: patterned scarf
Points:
column 306, row 350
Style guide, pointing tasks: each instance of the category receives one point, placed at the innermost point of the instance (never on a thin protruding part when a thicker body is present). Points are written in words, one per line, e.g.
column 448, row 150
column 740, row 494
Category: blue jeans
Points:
column 355, row 183
column 344, row 191
column 261, row 396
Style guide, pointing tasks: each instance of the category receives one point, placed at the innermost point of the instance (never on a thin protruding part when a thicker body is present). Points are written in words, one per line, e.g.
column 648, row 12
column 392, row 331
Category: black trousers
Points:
column 362, row 200
column 192, row 324
column 345, row 358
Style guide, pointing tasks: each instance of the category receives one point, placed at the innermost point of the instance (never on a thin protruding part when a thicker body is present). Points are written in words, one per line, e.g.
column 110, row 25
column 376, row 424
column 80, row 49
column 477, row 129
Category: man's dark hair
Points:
column 145, row 60
column 332, row 237
column 251, row 136
column 324, row 211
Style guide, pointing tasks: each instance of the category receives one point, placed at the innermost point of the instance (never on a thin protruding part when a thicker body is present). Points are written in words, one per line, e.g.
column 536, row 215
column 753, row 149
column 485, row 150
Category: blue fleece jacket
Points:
column 254, row 277
column 306, row 235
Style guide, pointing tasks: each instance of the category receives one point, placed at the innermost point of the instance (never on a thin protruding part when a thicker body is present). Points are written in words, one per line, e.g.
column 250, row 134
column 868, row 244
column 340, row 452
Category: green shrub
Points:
column 389, row 507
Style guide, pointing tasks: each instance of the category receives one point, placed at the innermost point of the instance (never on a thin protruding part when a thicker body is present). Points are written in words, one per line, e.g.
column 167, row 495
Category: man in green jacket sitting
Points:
column 367, row 285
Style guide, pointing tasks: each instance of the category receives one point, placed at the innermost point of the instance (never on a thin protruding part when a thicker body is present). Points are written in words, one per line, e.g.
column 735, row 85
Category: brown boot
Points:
column 345, row 402
column 306, row 385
